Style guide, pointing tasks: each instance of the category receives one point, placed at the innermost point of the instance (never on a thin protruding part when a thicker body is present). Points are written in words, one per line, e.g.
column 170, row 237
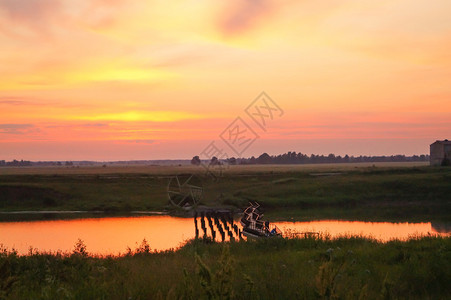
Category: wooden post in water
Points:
column 196, row 229
column 221, row 231
column 210, row 224
column 224, row 221
column 215, row 216
column 213, row 234
column 235, row 228
column 202, row 223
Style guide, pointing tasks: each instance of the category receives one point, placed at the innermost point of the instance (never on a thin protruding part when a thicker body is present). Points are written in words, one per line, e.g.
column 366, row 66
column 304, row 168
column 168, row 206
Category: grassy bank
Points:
column 379, row 192
column 347, row 268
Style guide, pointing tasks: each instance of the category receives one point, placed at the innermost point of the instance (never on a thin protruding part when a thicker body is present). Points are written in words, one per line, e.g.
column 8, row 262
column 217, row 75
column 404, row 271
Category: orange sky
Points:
column 116, row 79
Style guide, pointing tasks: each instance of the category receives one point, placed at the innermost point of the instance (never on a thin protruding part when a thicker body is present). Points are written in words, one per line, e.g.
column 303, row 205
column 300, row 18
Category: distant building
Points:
column 440, row 152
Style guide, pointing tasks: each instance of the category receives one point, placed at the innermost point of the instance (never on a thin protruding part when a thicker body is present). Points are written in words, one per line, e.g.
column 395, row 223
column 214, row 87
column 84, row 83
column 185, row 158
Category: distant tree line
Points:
column 300, row 158
column 26, row 163
column 15, row 163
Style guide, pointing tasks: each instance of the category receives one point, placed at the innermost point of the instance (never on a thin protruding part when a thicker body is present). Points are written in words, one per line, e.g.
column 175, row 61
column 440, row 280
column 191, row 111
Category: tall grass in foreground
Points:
column 302, row 268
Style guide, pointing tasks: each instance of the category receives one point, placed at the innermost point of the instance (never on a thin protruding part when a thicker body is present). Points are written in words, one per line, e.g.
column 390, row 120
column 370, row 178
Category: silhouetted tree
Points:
column 331, row 158
column 231, row 161
column 264, row 159
column 196, row 160
column 214, row 161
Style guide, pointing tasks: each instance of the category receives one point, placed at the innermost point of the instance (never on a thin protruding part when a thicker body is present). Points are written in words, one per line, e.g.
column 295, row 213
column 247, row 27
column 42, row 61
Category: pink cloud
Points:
column 32, row 12
column 242, row 15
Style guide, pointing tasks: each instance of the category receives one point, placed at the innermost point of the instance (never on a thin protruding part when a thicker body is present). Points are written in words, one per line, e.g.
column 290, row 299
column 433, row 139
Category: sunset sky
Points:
column 129, row 79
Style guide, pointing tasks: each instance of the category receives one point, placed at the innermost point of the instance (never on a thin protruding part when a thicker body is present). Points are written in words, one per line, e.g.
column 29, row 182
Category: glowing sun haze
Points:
column 117, row 79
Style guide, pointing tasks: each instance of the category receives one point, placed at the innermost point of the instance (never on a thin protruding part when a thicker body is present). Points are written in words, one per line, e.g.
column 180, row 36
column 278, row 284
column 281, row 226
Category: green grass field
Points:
column 366, row 191
column 177, row 169
column 347, row 268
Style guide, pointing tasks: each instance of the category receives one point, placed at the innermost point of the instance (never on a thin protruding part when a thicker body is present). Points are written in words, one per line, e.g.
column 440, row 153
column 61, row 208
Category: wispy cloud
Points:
column 103, row 13
column 16, row 100
column 136, row 116
column 86, row 125
column 241, row 15
column 12, row 102
column 95, row 125
column 143, row 141
column 32, row 13
column 46, row 18
column 16, row 128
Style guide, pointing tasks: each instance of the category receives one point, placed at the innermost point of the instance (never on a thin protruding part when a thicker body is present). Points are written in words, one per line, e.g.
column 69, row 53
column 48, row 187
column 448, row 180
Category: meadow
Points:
column 278, row 268
column 392, row 192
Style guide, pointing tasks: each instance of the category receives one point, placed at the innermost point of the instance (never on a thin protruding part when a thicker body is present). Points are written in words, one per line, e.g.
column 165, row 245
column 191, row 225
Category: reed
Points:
column 307, row 267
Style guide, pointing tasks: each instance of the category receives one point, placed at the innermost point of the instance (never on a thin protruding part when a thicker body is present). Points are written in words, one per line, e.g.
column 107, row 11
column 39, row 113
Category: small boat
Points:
column 253, row 224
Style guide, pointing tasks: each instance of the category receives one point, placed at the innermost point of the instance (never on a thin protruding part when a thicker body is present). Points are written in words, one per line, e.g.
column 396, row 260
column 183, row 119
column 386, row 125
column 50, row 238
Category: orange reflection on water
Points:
column 101, row 236
column 113, row 235
column 382, row 231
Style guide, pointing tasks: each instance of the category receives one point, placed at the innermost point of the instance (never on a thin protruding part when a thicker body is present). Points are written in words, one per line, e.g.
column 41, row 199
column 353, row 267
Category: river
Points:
column 112, row 235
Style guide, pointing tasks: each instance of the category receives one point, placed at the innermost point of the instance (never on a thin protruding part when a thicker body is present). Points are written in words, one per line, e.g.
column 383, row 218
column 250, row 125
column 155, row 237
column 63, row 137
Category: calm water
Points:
column 114, row 234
